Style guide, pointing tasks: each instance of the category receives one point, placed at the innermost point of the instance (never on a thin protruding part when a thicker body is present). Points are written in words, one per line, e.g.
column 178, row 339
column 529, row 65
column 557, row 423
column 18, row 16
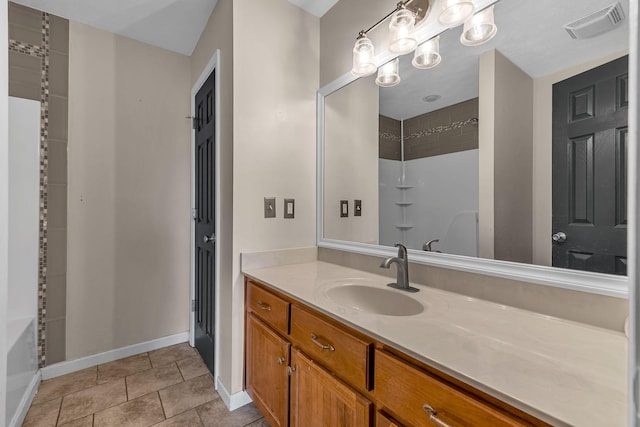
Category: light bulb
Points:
column 455, row 12
column 478, row 29
column 363, row 57
column 388, row 74
column 402, row 32
column 427, row 54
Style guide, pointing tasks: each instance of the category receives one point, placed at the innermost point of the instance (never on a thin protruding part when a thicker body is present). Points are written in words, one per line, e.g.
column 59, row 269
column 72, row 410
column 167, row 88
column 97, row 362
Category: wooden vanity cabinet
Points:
column 318, row 399
column 383, row 420
column 266, row 371
column 418, row 398
column 291, row 388
column 341, row 352
column 305, row 369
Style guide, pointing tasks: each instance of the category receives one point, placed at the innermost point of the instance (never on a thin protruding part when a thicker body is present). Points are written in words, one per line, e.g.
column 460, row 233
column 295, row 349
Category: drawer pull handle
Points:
column 329, row 347
column 280, row 360
column 265, row 307
column 433, row 416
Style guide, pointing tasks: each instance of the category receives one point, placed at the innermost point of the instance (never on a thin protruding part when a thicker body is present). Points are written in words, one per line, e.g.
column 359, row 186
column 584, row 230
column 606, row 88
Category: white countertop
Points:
column 563, row 372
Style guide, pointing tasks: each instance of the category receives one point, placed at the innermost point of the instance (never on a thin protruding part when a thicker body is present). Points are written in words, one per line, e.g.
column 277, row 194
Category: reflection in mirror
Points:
column 460, row 158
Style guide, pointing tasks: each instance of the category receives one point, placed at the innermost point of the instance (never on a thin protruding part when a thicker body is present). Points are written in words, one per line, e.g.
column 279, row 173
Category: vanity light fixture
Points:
column 427, row 55
column 363, row 56
column 388, row 74
column 478, row 29
column 455, row 12
column 402, row 31
column 401, row 28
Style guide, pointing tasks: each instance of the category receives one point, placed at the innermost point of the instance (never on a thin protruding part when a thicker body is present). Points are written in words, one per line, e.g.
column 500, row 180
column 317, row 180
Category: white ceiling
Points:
column 175, row 25
column 530, row 34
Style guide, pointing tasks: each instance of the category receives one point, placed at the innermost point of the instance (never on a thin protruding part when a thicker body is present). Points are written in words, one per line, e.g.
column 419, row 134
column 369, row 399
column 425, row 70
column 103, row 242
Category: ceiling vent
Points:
column 596, row 23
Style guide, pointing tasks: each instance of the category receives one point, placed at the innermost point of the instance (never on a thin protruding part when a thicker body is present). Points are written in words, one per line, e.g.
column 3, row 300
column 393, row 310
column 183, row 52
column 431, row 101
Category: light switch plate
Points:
column 344, row 208
column 269, row 207
column 289, row 208
column 357, row 207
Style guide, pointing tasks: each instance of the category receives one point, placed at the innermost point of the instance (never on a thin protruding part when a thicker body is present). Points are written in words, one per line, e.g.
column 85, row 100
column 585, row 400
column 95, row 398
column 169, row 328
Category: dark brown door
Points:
column 205, row 242
column 589, row 170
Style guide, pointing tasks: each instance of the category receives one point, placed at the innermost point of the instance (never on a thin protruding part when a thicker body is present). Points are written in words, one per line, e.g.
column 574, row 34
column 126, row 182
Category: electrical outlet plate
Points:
column 344, row 208
column 269, row 207
column 357, row 207
column 289, row 208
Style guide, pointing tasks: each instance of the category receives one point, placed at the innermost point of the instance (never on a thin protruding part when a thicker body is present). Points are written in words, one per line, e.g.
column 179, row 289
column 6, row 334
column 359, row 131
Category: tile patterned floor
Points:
column 169, row 387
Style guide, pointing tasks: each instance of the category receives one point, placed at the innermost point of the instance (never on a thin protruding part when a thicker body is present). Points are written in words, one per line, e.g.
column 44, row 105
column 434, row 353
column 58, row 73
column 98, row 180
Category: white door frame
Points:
column 214, row 64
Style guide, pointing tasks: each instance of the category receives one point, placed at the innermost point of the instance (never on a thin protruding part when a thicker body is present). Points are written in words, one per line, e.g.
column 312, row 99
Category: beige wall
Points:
column 351, row 161
column 276, row 53
column 505, row 163
column 486, row 154
column 339, row 28
column 542, row 139
column 218, row 34
column 128, row 206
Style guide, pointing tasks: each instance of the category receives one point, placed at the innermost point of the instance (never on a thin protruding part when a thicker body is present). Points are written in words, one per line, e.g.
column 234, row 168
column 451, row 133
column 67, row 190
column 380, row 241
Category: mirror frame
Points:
column 597, row 283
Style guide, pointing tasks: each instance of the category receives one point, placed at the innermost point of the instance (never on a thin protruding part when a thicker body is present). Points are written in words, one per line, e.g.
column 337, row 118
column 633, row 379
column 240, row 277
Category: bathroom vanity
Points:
column 330, row 345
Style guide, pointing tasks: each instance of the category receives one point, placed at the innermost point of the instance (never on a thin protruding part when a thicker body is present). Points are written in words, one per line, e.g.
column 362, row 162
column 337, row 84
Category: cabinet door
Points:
column 384, row 421
column 267, row 377
column 318, row 399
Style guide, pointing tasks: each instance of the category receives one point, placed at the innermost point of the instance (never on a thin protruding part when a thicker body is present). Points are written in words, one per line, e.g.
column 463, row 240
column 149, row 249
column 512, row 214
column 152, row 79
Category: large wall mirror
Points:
column 508, row 158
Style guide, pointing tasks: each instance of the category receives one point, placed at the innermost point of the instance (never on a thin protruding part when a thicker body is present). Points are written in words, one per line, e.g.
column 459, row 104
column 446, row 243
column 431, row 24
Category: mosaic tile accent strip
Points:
column 44, row 182
column 431, row 131
column 27, row 49
column 389, row 136
column 41, row 52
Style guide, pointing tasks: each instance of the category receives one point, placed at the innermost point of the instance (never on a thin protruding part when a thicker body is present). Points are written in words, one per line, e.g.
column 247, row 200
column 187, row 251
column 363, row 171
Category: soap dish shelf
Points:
column 404, row 226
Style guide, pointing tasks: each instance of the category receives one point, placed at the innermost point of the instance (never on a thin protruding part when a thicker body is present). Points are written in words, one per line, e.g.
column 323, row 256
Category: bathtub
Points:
column 23, row 375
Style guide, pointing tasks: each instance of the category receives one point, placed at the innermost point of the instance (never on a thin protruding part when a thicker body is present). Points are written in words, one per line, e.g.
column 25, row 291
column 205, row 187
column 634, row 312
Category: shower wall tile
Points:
column 447, row 130
column 389, row 138
column 38, row 70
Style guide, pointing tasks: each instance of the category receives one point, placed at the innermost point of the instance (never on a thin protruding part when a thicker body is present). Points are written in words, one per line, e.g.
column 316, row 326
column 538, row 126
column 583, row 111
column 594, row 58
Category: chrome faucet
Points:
column 427, row 245
column 402, row 263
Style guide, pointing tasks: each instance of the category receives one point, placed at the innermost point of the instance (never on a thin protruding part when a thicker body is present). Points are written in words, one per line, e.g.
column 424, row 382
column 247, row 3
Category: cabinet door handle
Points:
column 280, row 360
column 265, row 307
column 433, row 416
column 329, row 347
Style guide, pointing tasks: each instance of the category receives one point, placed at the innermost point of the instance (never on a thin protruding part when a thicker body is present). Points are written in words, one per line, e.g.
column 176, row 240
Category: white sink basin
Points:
column 375, row 300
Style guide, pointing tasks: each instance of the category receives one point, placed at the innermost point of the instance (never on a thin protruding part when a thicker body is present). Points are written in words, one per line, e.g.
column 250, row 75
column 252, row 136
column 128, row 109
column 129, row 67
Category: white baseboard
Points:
column 233, row 401
column 70, row 366
column 25, row 402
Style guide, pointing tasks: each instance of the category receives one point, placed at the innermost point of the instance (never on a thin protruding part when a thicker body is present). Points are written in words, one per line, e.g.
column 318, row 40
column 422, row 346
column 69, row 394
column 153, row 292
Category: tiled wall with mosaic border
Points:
column 38, row 70
column 447, row 130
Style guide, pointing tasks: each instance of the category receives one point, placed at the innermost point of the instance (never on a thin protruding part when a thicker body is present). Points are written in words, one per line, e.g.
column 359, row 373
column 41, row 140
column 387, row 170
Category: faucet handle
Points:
column 402, row 251
column 427, row 245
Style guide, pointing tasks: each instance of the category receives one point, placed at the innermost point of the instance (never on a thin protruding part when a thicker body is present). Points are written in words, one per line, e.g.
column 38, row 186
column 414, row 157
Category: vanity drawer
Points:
column 269, row 307
column 405, row 390
column 341, row 352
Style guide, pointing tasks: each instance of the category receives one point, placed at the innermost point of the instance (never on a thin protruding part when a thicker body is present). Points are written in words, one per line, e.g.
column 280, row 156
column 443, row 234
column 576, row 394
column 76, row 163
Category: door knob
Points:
column 559, row 237
column 209, row 239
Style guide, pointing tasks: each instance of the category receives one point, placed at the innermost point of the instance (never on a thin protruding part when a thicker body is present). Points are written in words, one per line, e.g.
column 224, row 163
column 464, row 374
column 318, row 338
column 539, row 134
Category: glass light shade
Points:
column 402, row 32
column 455, row 12
column 363, row 56
column 388, row 74
column 479, row 29
column 427, row 54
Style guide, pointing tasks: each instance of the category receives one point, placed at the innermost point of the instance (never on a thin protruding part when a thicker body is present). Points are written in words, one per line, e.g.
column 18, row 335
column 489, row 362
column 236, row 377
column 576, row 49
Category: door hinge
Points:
column 193, row 305
column 194, row 214
column 194, row 123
